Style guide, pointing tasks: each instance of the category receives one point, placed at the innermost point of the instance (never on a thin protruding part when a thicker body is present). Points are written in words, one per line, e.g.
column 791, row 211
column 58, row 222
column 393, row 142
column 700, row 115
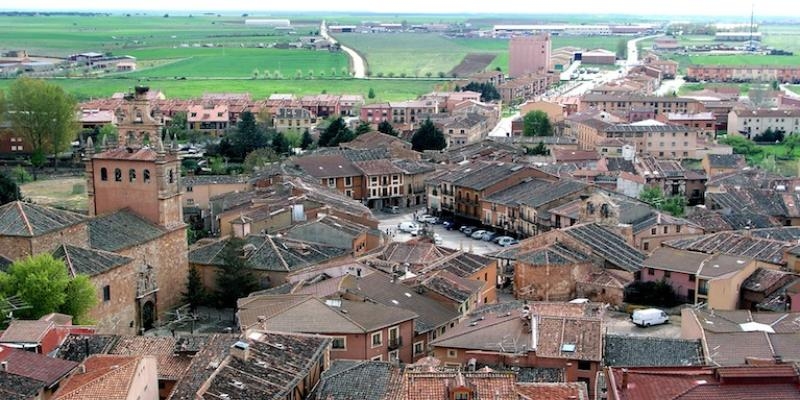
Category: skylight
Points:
column 568, row 348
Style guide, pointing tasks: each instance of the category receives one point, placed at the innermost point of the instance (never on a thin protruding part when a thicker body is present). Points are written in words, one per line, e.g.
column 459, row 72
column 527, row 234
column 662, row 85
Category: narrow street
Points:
column 359, row 66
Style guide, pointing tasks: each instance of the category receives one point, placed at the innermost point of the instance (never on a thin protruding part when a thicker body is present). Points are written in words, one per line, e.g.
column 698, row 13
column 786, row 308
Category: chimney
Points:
column 241, row 350
column 241, row 226
column 4, row 366
column 624, row 378
column 82, row 369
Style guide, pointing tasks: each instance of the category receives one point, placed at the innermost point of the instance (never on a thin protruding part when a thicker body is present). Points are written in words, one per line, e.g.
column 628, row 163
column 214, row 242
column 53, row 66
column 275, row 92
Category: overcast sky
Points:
column 786, row 8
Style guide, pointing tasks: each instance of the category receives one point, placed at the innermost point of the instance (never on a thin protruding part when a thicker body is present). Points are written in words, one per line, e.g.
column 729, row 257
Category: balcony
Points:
column 395, row 343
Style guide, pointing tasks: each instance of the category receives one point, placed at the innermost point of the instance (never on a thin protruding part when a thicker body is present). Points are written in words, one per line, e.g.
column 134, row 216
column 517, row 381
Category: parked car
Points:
column 449, row 225
column 488, row 236
column 467, row 230
column 649, row 316
column 414, row 232
column 478, row 234
column 407, row 227
column 497, row 239
column 391, row 210
column 507, row 241
column 429, row 219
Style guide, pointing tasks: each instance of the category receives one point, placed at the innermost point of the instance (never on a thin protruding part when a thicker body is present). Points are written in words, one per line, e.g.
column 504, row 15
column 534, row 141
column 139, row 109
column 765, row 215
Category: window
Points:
column 348, row 193
column 667, row 274
column 348, row 181
column 677, row 229
column 394, row 355
column 645, row 246
column 103, row 174
column 171, row 176
column 461, row 396
column 106, row 293
column 332, row 182
column 377, row 358
column 377, row 339
column 692, row 278
column 339, row 343
column 452, row 353
column 653, row 231
column 666, row 229
column 131, row 175
column 584, row 365
column 651, row 271
column 146, row 176
column 419, row 348
column 189, row 188
column 117, row 175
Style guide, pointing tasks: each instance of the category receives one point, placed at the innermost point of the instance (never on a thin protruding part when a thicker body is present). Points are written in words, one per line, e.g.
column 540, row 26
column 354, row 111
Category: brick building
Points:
column 529, row 54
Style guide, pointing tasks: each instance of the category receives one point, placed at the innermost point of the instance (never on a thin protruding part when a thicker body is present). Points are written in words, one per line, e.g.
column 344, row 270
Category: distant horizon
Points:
column 710, row 9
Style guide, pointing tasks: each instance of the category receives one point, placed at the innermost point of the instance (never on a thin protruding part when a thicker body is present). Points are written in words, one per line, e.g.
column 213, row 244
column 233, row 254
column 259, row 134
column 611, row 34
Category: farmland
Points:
column 385, row 89
column 434, row 53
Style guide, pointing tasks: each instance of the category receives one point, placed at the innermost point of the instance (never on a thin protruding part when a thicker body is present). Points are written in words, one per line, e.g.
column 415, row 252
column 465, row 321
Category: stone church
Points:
column 133, row 242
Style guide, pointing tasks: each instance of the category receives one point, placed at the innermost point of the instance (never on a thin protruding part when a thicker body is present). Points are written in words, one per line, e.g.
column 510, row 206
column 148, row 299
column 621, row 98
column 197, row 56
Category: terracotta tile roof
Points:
column 36, row 366
column 436, row 384
column 643, row 351
column 30, row 220
column 78, row 347
column 276, row 364
column 556, row 335
column 26, row 331
column 308, row 314
column 378, row 167
column 203, row 365
column 553, row 391
column 327, row 166
column 171, row 366
column 122, row 153
column 106, row 378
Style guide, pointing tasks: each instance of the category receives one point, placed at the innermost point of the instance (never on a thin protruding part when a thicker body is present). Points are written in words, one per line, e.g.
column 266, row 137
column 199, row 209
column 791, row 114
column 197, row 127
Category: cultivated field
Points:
column 472, row 63
column 385, row 89
column 67, row 193
column 434, row 53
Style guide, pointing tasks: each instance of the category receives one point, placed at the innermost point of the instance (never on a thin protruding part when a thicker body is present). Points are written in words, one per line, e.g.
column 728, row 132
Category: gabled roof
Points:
column 553, row 391
column 107, row 377
column 120, row 230
column 17, row 387
column 203, row 365
column 26, row 331
column 362, row 380
column 608, row 245
column 81, row 261
column 733, row 243
column 695, row 263
column 308, row 314
column 327, row 166
column 432, row 314
column 482, row 178
column 79, row 347
column 29, row 220
column 645, row 351
column 36, row 366
column 171, row 366
column 555, row 254
column 269, row 253
column 428, row 384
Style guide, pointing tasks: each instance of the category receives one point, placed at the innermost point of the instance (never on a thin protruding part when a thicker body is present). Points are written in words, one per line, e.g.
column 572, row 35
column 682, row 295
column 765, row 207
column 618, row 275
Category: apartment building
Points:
column 624, row 104
column 525, row 87
column 383, row 183
column 751, row 122
column 743, row 73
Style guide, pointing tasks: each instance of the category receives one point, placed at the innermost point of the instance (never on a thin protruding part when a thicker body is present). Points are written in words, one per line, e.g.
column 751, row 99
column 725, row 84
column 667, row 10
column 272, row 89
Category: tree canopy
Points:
column 9, row 190
column 195, row 294
column 428, row 137
column 387, row 128
column 246, row 138
column 536, row 123
column 259, row 158
column 336, row 132
column 362, row 128
column 44, row 114
column 279, row 144
column 654, row 196
column 307, row 140
column 234, row 278
column 487, row 90
column 43, row 283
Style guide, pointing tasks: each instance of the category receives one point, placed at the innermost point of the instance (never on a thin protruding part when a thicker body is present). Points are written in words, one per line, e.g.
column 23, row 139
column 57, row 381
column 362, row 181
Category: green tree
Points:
column 44, row 114
column 741, row 145
column 622, row 49
column 178, row 126
column 487, row 90
column 234, row 277
column 195, row 294
column 776, row 85
column 279, row 144
column 259, row 158
column 307, row 140
column 539, row 150
column 247, row 123
column 43, row 283
column 81, row 297
column 371, row 93
column 791, row 142
column 387, row 128
column 108, row 132
column 9, row 190
column 362, row 128
column 653, row 196
column 428, row 137
column 336, row 132
column 536, row 123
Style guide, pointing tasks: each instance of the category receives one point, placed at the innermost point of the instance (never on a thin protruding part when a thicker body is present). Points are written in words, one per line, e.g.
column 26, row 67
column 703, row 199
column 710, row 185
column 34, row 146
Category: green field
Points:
column 385, row 89
column 434, row 53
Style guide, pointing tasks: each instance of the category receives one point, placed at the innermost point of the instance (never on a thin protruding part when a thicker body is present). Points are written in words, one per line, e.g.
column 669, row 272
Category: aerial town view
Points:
column 399, row 201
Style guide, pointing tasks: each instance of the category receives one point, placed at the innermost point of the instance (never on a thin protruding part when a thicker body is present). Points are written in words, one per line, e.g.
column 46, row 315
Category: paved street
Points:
column 452, row 239
column 618, row 323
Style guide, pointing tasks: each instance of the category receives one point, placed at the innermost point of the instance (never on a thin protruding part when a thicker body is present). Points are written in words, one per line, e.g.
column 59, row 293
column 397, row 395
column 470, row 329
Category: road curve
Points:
column 359, row 66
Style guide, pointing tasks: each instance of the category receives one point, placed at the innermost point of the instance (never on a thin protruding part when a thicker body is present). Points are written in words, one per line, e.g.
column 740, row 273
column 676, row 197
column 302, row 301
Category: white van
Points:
column 649, row 316
column 407, row 227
